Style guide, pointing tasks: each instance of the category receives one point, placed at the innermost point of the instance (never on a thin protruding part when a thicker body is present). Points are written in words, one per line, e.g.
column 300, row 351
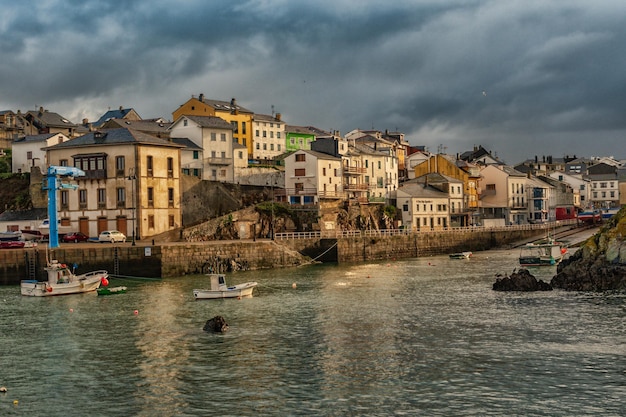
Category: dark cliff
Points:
column 600, row 263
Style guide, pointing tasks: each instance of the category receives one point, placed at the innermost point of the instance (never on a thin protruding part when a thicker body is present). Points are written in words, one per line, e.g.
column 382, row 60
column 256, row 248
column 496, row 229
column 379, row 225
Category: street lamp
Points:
column 133, row 177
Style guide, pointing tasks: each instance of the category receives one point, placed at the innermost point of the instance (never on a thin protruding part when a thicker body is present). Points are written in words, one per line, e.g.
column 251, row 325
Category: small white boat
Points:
column 542, row 254
column 62, row 281
column 219, row 289
column 461, row 255
column 10, row 236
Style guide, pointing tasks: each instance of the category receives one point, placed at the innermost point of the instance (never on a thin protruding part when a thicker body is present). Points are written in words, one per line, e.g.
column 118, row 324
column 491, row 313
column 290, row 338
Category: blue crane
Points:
column 53, row 183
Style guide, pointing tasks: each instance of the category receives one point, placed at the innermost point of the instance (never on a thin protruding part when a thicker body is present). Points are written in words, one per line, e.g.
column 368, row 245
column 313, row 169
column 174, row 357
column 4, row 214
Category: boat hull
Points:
column 111, row 291
column 35, row 288
column 238, row 291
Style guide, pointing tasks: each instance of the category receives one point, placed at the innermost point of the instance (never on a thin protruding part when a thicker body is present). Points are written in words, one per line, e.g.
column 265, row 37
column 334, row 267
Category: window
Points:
column 240, row 155
column 185, row 121
column 149, row 165
column 300, row 157
column 278, row 135
column 29, row 155
column 271, row 134
column 171, row 220
column 223, row 155
column 278, row 147
column 265, row 146
column 243, row 128
column 196, row 155
column 150, row 197
column 121, row 197
column 65, row 203
column 234, row 125
column 324, row 172
column 82, row 198
column 63, row 162
column 258, row 146
column 170, row 167
column 151, row 221
column 94, row 166
column 223, row 137
column 491, row 187
column 170, row 197
column 257, row 133
column 300, row 172
column 102, row 198
column 379, row 164
column 265, row 133
column 271, row 146
column 120, row 164
column 405, row 207
column 222, row 173
column 213, row 136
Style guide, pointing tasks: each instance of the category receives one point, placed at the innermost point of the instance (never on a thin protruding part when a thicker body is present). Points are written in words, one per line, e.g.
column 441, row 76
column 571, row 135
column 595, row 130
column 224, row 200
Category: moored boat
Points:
column 461, row 255
column 111, row 290
column 62, row 281
column 219, row 289
column 10, row 236
column 542, row 254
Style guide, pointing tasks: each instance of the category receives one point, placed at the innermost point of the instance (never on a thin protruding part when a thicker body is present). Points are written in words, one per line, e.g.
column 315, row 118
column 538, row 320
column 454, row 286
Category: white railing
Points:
column 339, row 234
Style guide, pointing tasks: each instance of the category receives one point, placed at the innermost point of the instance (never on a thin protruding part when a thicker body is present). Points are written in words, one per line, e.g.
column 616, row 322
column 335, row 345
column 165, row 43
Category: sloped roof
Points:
column 49, row 118
column 187, row 143
column 112, row 114
column 304, row 130
column 142, row 125
column 114, row 137
column 210, row 121
column 416, row 189
column 36, row 138
column 220, row 105
column 320, row 155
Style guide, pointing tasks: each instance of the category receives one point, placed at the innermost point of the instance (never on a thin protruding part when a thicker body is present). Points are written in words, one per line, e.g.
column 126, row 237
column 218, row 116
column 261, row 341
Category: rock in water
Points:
column 521, row 280
column 600, row 263
column 217, row 324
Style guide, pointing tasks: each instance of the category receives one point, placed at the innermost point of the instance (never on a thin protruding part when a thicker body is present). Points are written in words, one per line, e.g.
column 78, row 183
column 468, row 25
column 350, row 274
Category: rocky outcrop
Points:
column 600, row 263
column 216, row 325
column 521, row 280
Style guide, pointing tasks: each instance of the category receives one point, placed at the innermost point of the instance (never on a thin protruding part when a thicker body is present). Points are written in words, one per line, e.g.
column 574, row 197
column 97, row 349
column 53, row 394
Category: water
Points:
column 417, row 337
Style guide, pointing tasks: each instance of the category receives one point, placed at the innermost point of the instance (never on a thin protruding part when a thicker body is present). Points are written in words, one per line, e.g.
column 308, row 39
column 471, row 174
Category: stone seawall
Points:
column 177, row 259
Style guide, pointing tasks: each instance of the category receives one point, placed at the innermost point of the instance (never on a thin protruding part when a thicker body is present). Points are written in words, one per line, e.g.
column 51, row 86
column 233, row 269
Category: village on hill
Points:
column 148, row 177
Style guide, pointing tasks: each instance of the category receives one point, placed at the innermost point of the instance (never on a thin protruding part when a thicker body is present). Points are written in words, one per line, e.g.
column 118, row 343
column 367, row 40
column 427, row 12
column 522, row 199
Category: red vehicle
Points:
column 75, row 237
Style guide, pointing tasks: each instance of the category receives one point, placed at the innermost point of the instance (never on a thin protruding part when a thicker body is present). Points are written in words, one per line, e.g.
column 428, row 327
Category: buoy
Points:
column 136, row 312
column 293, row 285
column 49, row 289
column 15, row 402
column 104, row 281
column 71, row 310
column 3, row 389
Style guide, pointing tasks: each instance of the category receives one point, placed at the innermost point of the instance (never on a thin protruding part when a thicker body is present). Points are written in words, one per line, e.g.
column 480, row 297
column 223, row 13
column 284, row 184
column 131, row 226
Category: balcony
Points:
column 218, row 161
column 354, row 170
column 356, row 187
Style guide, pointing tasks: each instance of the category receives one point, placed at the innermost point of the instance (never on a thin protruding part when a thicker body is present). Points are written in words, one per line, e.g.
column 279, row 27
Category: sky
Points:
column 521, row 78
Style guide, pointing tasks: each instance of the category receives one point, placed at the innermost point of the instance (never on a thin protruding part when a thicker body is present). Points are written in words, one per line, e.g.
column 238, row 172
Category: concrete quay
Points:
column 164, row 260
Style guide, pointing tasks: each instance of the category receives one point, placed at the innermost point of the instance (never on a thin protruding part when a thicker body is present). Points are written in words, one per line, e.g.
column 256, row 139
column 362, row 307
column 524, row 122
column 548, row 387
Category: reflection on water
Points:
column 415, row 337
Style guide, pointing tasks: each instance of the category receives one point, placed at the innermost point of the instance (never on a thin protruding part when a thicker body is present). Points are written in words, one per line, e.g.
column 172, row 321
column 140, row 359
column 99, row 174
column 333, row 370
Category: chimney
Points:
column 233, row 102
column 85, row 121
column 278, row 116
column 201, row 97
column 121, row 108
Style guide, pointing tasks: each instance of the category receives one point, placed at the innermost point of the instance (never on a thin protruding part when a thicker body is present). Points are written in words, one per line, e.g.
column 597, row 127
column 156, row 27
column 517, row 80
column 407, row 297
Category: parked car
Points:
column 112, row 236
column 75, row 237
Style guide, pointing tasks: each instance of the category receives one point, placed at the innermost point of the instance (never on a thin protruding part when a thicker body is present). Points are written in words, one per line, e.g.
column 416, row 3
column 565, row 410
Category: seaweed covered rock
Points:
column 600, row 263
column 217, row 325
column 521, row 280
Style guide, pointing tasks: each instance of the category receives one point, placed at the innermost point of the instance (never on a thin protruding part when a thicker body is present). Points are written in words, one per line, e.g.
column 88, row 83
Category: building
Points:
column 239, row 117
column 29, row 151
column 119, row 114
column 298, row 137
column 604, row 185
column 422, row 206
column 214, row 135
column 269, row 137
column 131, row 183
column 311, row 176
column 44, row 121
column 503, row 199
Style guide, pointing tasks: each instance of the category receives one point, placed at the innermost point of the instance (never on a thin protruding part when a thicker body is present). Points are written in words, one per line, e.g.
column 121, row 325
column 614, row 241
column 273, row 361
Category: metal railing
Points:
column 340, row 234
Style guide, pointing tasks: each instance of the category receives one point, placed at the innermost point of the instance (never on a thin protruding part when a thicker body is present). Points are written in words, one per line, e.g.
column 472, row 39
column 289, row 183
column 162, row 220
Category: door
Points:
column 102, row 224
column 122, row 224
column 83, row 225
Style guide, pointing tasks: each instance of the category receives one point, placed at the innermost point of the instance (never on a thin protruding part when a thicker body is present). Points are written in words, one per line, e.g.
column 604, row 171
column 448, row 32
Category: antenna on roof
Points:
column 272, row 110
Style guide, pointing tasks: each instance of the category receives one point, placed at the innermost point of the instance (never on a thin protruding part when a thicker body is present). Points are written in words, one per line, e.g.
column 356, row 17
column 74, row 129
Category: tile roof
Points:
column 114, row 137
column 210, row 121
column 112, row 114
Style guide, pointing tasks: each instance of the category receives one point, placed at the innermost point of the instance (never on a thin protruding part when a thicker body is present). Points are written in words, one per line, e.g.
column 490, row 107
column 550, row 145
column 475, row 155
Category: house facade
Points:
column 131, row 183
column 214, row 136
column 503, row 199
column 239, row 117
column 268, row 137
column 29, row 151
column 311, row 176
column 423, row 207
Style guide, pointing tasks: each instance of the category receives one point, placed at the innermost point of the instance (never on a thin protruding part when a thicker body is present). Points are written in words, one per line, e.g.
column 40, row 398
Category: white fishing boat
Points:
column 219, row 289
column 62, row 281
column 545, row 253
column 461, row 255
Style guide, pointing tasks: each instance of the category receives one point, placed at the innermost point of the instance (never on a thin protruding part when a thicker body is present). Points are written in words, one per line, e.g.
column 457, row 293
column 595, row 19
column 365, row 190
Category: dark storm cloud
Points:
column 503, row 73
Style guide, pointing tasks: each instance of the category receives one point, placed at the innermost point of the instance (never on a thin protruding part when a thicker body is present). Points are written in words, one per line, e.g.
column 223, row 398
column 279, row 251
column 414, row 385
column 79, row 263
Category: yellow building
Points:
column 446, row 165
column 131, row 183
column 239, row 117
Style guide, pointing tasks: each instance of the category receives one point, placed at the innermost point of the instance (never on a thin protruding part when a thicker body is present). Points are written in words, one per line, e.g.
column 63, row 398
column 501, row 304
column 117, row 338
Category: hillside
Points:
column 14, row 193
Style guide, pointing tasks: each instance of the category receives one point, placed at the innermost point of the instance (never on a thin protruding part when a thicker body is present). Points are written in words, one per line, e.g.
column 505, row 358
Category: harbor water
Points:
column 424, row 336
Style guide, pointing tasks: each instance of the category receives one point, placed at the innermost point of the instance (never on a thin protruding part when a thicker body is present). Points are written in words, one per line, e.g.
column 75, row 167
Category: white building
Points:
column 423, row 207
column 503, row 199
column 268, row 136
column 311, row 176
column 214, row 136
column 29, row 151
